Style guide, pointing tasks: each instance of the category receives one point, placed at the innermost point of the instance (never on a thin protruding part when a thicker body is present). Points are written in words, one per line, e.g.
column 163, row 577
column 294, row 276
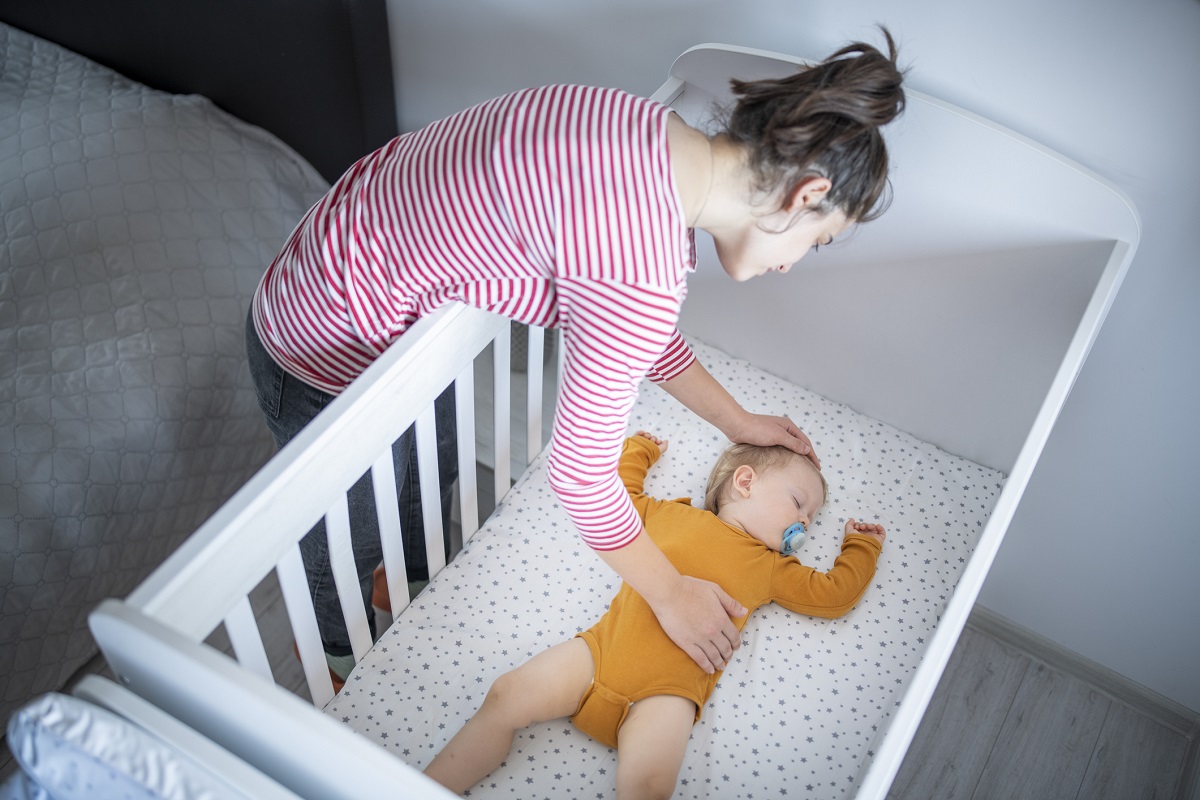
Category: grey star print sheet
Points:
column 804, row 701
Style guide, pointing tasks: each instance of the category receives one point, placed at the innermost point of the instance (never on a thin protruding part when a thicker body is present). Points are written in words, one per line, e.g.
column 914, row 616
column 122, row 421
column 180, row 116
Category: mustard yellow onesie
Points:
column 634, row 657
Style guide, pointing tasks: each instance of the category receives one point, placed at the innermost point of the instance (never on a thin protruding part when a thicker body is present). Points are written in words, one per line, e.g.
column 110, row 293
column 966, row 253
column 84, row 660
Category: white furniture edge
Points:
column 316, row 762
column 202, row 750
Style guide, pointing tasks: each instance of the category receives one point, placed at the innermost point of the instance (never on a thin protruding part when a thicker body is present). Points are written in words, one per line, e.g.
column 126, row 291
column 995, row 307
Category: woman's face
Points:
column 777, row 241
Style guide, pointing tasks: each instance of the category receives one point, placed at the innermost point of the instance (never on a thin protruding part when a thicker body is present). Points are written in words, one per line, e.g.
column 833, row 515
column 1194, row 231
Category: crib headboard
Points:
column 317, row 74
column 959, row 304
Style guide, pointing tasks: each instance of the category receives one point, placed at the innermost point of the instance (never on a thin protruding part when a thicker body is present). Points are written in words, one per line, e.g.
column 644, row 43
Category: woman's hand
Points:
column 764, row 429
column 696, row 616
column 697, row 389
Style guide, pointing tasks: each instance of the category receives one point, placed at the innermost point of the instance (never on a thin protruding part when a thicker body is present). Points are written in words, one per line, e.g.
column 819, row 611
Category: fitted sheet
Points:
column 804, row 701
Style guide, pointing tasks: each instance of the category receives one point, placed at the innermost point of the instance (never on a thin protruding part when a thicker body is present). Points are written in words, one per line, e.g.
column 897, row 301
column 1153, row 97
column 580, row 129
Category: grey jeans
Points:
column 289, row 404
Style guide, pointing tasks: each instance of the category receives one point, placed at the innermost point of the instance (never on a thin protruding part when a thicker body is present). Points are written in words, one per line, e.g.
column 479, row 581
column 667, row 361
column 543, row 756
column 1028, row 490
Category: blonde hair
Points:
column 758, row 458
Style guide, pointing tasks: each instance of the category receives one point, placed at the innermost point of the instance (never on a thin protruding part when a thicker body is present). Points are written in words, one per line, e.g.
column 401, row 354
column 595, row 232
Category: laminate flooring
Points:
column 1004, row 724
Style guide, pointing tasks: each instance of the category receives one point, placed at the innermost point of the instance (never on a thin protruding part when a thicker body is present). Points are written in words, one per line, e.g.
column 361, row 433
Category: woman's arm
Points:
column 697, row 389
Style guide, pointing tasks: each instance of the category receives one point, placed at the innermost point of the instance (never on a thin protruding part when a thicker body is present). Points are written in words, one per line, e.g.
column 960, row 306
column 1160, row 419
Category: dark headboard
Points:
column 316, row 73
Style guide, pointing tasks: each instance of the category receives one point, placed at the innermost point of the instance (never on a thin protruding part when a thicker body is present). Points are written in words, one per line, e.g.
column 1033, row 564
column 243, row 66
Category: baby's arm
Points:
column 831, row 594
column 662, row 443
column 638, row 455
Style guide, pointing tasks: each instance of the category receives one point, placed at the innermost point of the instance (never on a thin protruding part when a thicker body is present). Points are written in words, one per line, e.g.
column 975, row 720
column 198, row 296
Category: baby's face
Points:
column 781, row 497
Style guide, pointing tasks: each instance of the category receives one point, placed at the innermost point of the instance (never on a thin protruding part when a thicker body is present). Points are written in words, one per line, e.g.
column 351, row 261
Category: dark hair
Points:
column 824, row 122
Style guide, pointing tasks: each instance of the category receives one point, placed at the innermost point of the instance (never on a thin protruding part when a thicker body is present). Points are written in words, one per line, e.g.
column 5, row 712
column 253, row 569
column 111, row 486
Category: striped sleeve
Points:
column 677, row 357
column 617, row 332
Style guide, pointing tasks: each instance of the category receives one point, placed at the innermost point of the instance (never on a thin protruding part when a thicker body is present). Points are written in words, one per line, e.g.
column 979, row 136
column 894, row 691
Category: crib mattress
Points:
column 804, row 701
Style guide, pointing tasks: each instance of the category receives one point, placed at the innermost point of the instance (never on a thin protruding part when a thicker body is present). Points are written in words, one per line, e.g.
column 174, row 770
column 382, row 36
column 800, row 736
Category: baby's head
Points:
column 765, row 491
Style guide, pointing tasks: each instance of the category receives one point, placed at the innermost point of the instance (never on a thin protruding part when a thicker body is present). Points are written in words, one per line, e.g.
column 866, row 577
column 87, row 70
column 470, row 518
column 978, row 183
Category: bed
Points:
column 977, row 304
column 145, row 183
column 929, row 414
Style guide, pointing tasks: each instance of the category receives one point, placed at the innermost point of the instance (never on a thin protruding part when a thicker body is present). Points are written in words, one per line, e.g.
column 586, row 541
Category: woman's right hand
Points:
column 697, row 617
column 695, row 614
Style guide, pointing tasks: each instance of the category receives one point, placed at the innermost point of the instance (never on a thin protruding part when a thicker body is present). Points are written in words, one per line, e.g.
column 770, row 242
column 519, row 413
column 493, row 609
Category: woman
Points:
column 573, row 207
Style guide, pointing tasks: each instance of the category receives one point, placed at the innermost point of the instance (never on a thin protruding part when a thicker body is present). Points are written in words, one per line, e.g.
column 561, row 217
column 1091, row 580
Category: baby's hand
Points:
column 662, row 443
column 867, row 529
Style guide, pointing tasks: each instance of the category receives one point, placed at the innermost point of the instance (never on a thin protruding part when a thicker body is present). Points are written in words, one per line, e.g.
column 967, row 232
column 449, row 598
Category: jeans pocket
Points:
column 270, row 391
column 267, row 375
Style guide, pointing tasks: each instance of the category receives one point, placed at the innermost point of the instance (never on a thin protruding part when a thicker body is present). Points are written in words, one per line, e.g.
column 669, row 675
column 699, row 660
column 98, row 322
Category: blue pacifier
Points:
column 793, row 538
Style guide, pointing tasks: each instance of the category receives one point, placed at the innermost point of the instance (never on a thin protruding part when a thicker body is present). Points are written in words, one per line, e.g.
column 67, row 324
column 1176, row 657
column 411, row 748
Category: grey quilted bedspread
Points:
column 134, row 226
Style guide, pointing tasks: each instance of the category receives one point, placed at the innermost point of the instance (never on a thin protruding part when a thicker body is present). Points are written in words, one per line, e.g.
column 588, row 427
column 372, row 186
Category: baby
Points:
column 623, row 681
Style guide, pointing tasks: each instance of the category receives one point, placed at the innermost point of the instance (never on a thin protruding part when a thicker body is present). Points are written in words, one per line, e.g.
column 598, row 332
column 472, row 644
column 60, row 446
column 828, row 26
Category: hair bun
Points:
column 824, row 120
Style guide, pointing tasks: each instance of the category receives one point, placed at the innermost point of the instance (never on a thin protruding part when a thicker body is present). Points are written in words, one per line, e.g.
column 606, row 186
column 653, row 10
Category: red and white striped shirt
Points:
column 553, row 206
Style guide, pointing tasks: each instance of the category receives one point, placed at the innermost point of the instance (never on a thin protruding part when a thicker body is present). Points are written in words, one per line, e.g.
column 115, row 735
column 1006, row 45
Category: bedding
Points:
column 134, row 226
column 804, row 701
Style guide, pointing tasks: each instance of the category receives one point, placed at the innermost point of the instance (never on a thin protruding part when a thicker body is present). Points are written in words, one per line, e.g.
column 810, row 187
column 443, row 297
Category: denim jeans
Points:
column 289, row 404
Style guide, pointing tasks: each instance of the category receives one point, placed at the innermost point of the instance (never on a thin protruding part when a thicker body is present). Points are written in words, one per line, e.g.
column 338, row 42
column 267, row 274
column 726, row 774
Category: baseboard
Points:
column 1108, row 682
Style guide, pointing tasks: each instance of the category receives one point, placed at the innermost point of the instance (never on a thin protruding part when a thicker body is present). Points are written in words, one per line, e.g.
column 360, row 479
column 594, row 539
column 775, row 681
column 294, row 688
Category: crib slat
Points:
column 501, row 408
column 533, row 393
column 345, row 576
column 383, row 481
column 293, row 584
column 431, row 500
column 468, row 481
column 246, row 640
column 236, row 547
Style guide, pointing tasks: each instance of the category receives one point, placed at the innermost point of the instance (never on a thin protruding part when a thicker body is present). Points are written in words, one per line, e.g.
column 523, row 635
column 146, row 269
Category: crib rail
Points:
column 207, row 582
column 265, row 726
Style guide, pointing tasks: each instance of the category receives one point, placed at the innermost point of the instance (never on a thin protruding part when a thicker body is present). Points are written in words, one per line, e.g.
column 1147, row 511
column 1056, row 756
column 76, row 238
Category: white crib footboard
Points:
column 281, row 735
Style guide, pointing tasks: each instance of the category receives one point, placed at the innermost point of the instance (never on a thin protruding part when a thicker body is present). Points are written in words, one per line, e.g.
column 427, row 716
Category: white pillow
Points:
column 74, row 750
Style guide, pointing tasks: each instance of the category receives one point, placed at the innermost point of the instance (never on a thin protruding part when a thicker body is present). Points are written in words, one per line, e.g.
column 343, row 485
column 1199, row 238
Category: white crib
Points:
column 975, row 301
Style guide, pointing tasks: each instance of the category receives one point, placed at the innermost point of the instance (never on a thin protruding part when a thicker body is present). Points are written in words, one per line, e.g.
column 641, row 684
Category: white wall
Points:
column 1103, row 554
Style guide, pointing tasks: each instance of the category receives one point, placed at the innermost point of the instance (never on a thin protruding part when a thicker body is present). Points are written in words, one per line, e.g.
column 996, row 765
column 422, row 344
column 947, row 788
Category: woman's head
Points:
column 822, row 124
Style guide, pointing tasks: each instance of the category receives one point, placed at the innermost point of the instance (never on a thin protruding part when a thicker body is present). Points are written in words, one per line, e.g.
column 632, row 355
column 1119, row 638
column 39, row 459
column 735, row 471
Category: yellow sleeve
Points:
column 827, row 594
column 637, row 456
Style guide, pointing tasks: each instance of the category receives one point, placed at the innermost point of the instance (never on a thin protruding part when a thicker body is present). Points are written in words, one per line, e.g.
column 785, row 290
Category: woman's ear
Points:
column 743, row 476
column 809, row 193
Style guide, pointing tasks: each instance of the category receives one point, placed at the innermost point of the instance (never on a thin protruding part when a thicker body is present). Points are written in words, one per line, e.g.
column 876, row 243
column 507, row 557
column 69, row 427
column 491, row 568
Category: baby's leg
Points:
column 547, row 686
column 651, row 745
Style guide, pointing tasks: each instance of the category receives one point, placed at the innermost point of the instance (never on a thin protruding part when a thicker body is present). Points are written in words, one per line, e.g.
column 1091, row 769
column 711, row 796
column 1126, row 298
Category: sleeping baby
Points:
column 623, row 681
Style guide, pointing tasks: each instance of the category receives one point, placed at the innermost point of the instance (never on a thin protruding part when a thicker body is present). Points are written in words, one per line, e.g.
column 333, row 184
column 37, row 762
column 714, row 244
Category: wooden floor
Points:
column 1004, row 723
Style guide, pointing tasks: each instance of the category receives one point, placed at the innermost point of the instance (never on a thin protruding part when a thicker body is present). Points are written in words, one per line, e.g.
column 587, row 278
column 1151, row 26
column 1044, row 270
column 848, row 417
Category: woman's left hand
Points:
column 765, row 429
